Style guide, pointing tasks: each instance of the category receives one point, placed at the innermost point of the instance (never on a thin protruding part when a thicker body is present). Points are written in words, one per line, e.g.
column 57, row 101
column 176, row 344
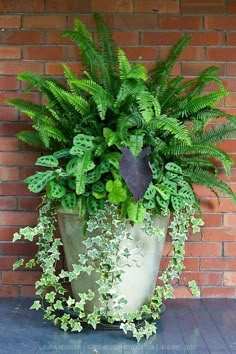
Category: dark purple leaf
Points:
column 136, row 172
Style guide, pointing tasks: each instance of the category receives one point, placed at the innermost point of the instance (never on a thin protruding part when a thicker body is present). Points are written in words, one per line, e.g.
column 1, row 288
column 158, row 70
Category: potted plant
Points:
column 123, row 150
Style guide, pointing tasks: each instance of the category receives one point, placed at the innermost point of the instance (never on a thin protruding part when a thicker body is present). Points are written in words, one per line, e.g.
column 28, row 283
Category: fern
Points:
column 205, row 150
column 216, row 134
column 205, row 178
column 161, row 71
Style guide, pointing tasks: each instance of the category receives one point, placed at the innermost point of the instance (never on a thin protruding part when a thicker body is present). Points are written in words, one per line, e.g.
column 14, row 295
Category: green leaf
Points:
column 58, row 305
column 47, row 161
column 37, row 182
column 36, row 305
column 68, row 201
column 116, row 192
column 150, row 192
column 84, row 142
column 136, row 212
column 163, row 190
column 55, row 190
column 177, row 202
column 172, row 167
column 18, row 264
column 110, row 136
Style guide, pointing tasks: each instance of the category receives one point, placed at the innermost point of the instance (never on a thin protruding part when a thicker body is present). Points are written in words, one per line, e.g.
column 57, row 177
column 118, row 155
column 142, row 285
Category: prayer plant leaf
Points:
column 136, row 171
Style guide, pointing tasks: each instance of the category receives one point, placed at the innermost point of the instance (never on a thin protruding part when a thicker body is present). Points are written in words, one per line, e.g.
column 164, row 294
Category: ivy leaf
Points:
column 136, row 171
column 18, row 264
column 36, row 305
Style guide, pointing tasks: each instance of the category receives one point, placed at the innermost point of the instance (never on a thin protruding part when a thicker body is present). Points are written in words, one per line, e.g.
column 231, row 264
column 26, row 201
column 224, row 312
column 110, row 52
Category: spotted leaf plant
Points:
column 120, row 145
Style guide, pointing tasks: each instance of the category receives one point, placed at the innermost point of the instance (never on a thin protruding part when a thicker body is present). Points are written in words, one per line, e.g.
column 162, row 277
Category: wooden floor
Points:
column 187, row 326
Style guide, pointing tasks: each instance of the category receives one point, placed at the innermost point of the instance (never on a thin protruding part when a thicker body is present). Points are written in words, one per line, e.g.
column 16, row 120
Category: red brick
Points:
column 191, row 264
column 203, row 7
column 229, row 84
column 8, row 114
column 231, row 69
column 160, row 38
column 229, row 279
column 44, row 53
column 73, row 53
column 8, row 52
column 194, row 69
column 6, row 263
column 8, row 83
column 8, row 144
column 219, row 234
column 180, row 23
column 220, row 23
column 230, row 220
column 230, row 100
column 55, row 6
column 212, row 205
column 146, row 53
column 189, row 53
column 201, row 278
column 57, row 21
column 207, row 38
column 6, row 233
column 7, row 203
column 230, row 249
column 218, row 264
column 231, row 7
column 27, row 290
column 21, row 6
column 212, row 220
column 11, row 128
column 28, row 203
column 157, row 6
column 7, row 291
column 211, row 249
column 18, row 218
column 182, row 292
column 56, row 68
column 9, row 174
column 23, row 37
column 54, row 37
column 15, row 67
column 126, row 38
column 217, row 292
column 113, row 6
column 89, row 21
column 18, row 249
column 17, row 188
column 221, row 54
column 20, row 277
column 9, row 21
column 18, row 158
column 135, row 22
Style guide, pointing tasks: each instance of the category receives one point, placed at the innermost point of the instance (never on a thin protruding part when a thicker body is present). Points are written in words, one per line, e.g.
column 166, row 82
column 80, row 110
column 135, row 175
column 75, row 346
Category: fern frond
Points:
column 205, row 150
column 216, row 134
column 92, row 57
column 124, row 64
column 205, row 178
column 30, row 137
column 31, row 109
column 191, row 105
column 161, row 71
column 71, row 77
column 108, row 47
column 172, row 126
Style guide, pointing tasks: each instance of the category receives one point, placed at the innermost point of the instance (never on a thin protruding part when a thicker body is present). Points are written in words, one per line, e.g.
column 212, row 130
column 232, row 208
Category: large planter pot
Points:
column 140, row 269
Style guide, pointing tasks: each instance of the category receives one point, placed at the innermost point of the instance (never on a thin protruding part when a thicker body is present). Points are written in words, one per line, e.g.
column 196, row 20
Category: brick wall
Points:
column 29, row 41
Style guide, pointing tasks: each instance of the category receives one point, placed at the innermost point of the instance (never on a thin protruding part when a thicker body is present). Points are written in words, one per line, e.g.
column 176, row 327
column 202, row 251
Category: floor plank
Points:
column 187, row 326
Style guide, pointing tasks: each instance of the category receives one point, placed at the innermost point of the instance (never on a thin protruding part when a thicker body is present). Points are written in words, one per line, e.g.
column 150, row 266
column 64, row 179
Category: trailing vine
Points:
column 103, row 254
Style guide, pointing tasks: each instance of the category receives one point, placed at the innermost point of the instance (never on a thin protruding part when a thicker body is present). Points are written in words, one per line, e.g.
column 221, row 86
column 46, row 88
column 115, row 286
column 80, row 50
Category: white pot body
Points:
column 140, row 269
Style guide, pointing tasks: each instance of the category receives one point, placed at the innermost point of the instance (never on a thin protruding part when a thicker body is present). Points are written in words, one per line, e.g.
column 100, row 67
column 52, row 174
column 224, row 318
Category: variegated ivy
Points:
column 51, row 286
